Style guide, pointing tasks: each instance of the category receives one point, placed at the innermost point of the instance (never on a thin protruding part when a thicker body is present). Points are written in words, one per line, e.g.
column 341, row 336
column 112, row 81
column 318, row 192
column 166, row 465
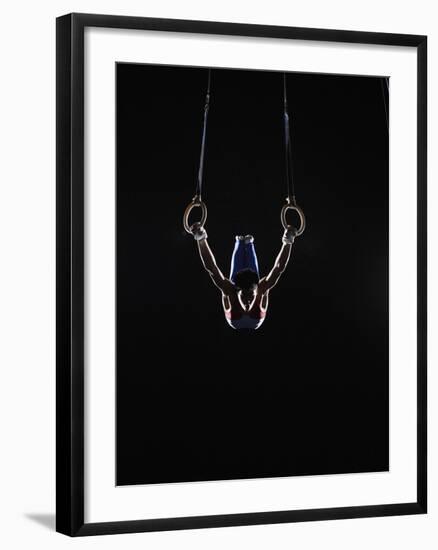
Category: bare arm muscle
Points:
column 279, row 266
column 209, row 263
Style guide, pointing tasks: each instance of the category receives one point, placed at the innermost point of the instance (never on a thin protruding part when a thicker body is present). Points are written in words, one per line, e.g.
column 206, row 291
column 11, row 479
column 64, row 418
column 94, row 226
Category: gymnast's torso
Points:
column 240, row 315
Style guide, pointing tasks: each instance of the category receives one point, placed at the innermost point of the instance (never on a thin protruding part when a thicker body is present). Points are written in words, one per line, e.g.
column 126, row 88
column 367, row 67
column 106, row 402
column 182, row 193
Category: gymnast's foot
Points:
column 247, row 239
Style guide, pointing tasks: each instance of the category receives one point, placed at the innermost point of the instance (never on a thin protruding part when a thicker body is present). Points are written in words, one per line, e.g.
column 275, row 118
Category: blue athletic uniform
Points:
column 244, row 257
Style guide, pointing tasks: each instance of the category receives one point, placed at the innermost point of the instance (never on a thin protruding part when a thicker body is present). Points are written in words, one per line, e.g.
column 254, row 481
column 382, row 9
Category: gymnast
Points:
column 244, row 295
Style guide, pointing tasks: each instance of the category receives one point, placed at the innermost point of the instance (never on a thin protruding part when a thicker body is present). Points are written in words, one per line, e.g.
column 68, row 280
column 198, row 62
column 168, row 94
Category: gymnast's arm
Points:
column 280, row 262
column 209, row 261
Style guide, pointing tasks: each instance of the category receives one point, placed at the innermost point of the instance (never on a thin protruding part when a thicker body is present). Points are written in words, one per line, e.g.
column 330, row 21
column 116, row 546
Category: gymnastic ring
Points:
column 293, row 206
column 196, row 203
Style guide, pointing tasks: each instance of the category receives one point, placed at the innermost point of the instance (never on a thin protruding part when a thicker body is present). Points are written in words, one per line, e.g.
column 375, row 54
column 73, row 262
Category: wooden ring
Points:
column 290, row 206
column 196, row 203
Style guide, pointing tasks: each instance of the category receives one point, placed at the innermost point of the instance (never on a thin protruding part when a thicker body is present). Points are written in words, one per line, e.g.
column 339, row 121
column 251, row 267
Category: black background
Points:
column 307, row 393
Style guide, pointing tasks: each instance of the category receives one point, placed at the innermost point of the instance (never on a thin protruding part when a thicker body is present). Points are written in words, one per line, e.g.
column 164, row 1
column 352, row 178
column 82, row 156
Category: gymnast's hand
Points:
column 289, row 235
column 198, row 232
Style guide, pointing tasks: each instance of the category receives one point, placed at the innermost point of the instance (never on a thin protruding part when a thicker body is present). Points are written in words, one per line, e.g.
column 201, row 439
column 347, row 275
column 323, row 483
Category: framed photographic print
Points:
column 241, row 274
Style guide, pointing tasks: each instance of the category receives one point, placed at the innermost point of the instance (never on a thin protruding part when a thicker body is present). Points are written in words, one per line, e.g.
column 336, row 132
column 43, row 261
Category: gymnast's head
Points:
column 246, row 282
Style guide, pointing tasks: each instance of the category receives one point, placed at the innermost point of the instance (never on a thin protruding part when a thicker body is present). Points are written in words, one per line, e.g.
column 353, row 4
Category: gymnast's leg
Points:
column 244, row 256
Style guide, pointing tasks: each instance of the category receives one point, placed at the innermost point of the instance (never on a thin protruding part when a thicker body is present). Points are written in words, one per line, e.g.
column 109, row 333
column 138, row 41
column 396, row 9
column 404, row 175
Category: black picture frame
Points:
column 70, row 273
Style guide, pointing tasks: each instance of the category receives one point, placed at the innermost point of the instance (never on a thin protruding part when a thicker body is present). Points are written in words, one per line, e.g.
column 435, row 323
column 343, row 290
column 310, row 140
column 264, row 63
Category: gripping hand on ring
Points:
column 198, row 232
column 289, row 235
